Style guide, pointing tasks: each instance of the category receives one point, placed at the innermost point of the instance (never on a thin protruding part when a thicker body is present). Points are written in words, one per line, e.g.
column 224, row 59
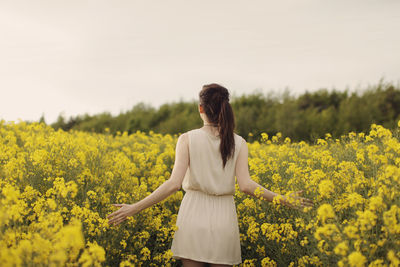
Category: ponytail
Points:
column 215, row 100
column 226, row 126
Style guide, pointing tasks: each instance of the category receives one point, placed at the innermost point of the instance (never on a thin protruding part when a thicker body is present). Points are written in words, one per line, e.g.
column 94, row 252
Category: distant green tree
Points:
column 42, row 119
column 306, row 117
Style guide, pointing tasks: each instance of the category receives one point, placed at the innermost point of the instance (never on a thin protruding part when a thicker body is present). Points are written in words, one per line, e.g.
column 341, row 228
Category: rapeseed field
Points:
column 57, row 187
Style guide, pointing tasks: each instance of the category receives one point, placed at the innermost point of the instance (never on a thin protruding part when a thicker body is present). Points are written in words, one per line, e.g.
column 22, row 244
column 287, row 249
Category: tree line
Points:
column 306, row 117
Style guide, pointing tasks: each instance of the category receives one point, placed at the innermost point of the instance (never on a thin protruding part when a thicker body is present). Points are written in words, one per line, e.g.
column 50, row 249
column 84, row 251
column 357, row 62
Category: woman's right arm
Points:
column 248, row 186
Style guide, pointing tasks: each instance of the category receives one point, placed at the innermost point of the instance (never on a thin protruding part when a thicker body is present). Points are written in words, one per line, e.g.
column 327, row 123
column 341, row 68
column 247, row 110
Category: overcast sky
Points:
column 81, row 57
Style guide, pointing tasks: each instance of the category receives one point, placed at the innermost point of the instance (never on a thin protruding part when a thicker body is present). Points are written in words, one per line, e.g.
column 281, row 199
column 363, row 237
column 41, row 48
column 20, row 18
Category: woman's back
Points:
column 207, row 223
column 205, row 172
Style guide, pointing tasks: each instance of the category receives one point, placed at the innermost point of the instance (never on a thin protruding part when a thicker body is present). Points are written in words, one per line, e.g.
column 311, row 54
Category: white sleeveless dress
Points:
column 207, row 223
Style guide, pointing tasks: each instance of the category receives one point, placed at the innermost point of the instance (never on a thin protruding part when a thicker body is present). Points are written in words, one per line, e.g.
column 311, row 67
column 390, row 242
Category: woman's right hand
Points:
column 304, row 202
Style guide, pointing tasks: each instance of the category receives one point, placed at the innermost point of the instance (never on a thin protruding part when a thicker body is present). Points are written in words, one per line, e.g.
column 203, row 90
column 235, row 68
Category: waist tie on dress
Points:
column 210, row 194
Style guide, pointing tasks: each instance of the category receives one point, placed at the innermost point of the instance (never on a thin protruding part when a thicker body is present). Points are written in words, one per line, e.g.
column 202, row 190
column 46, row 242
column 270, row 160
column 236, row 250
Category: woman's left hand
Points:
column 121, row 215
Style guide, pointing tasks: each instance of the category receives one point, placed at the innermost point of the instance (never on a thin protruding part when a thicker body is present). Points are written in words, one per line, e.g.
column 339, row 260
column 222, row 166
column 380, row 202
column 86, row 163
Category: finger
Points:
column 115, row 213
column 306, row 200
column 120, row 221
column 121, row 217
column 114, row 222
column 116, row 218
column 310, row 201
column 117, row 205
column 307, row 205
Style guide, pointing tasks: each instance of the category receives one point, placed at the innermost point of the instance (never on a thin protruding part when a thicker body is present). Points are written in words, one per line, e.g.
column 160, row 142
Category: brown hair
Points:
column 214, row 99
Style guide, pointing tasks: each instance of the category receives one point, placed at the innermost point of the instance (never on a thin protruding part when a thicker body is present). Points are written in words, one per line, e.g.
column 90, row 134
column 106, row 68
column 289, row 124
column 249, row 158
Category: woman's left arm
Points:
column 169, row 187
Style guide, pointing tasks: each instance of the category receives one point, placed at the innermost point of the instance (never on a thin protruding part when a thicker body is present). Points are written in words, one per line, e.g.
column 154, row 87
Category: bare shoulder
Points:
column 240, row 138
column 184, row 137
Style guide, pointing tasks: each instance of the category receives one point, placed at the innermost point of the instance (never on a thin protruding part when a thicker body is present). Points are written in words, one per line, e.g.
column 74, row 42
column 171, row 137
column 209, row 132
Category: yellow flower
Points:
column 366, row 220
column 93, row 255
column 267, row 262
column 328, row 136
column 351, row 231
column 264, row 137
column 341, row 248
column 252, row 231
column 328, row 230
column 390, row 219
column 145, row 252
column 51, row 203
column 325, row 212
column 326, row 188
column 391, row 256
column 321, row 142
column 356, row 259
column 377, row 263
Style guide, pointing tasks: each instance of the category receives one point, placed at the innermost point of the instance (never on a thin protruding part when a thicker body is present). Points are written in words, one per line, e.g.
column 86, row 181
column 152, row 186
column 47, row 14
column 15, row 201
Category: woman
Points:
column 207, row 160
